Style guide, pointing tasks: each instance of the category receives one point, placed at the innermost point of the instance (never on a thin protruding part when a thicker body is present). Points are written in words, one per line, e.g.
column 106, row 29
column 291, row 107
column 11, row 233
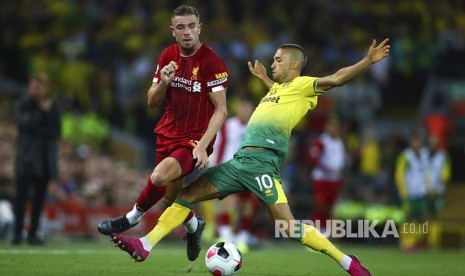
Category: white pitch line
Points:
column 52, row 251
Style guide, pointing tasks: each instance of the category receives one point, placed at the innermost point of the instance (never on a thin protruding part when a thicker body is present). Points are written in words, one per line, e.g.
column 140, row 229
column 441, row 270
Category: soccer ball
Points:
column 223, row 258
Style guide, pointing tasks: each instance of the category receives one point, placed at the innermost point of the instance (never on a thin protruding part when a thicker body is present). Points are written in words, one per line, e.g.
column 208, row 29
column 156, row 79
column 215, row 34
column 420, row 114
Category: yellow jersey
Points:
column 279, row 112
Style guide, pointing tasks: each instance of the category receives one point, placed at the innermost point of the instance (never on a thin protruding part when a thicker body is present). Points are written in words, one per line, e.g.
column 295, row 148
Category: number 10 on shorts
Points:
column 265, row 181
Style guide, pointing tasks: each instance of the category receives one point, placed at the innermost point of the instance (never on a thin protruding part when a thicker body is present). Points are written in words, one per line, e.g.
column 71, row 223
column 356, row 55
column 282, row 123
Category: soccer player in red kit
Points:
column 192, row 79
column 327, row 157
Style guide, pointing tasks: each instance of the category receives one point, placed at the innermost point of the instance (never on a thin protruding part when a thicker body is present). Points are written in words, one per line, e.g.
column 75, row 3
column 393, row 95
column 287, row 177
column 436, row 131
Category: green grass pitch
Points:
column 281, row 258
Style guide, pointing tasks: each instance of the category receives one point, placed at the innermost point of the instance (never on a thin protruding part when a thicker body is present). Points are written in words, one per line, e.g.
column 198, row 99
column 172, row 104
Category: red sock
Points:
column 189, row 216
column 149, row 196
column 223, row 219
column 245, row 223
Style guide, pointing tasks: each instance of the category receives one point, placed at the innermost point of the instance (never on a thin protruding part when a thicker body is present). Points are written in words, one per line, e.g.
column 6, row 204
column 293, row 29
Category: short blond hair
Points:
column 185, row 10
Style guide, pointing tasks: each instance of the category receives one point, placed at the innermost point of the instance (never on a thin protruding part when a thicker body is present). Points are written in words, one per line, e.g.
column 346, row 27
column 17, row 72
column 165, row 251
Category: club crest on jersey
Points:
column 195, row 70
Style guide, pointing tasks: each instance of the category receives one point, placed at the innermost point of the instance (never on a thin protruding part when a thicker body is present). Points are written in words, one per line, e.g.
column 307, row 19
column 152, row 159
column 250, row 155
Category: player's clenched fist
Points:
column 167, row 72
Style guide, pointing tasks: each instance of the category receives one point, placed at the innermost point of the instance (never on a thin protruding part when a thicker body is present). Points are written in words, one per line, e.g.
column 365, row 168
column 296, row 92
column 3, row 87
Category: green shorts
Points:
column 254, row 170
column 435, row 205
column 418, row 209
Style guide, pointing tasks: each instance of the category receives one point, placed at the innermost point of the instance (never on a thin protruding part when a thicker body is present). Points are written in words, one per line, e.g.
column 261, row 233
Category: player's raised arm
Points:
column 259, row 71
column 157, row 91
column 343, row 75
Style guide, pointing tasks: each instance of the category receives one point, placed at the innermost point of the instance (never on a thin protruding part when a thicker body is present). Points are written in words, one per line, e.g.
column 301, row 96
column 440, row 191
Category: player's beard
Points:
column 280, row 77
column 188, row 48
column 276, row 78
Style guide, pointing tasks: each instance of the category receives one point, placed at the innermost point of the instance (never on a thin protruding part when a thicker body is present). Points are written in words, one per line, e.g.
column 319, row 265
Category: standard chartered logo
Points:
column 196, row 87
column 186, row 84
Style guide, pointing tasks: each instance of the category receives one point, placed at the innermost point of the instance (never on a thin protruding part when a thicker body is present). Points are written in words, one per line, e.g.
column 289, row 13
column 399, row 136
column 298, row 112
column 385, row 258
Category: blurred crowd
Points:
column 96, row 178
column 101, row 57
column 102, row 54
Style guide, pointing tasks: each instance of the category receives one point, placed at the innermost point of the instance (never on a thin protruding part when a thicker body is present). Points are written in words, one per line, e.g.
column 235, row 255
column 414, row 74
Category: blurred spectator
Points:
column 451, row 36
column 438, row 174
column 412, row 188
column 38, row 122
column 327, row 157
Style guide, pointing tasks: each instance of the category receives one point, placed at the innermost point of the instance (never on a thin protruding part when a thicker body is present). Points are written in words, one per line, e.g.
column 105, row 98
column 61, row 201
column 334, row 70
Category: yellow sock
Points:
column 316, row 241
column 407, row 241
column 168, row 221
column 419, row 239
column 208, row 213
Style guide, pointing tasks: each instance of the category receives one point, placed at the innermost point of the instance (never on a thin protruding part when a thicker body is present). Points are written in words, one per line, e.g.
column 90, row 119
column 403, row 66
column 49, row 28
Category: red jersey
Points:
column 228, row 141
column 188, row 106
column 327, row 156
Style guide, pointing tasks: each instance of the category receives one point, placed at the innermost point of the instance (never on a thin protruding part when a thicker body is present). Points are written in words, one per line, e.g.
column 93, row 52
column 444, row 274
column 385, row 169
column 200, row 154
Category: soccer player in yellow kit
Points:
column 255, row 166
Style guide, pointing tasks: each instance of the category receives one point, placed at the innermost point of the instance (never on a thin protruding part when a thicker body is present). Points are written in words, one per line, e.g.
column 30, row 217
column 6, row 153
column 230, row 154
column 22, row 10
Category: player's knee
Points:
column 158, row 179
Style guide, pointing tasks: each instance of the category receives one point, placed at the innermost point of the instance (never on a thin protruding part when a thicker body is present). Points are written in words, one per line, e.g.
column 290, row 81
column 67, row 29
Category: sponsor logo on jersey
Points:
column 221, row 75
column 179, row 82
column 216, row 82
column 188, row 85
column 273, row 99
column 197, row 87
column 269, row 141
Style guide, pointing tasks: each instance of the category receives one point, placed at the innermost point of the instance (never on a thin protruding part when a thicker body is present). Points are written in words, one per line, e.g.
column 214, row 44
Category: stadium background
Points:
column 100, row 56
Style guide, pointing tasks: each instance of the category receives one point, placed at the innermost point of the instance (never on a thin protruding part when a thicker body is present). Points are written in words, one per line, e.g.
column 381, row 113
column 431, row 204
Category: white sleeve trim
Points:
column 218, row 88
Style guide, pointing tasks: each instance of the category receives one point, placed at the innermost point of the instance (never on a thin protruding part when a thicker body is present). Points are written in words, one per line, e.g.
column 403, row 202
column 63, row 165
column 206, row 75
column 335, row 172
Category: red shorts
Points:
column 181, row 151
column 247, row 196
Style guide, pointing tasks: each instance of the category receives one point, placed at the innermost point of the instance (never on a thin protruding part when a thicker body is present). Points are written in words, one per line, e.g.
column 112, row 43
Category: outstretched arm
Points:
column 259, row 71
column 343, row 75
